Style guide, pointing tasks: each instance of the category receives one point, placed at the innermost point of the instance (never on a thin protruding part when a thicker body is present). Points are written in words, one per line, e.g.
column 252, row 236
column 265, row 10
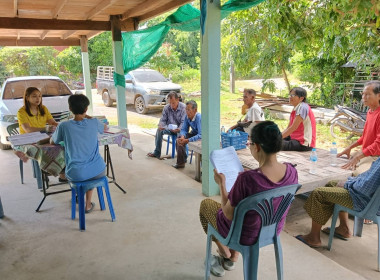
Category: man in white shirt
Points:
column 254, row 114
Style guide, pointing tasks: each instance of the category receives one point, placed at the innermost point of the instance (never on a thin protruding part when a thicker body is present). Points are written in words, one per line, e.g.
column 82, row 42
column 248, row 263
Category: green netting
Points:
column 140, row 45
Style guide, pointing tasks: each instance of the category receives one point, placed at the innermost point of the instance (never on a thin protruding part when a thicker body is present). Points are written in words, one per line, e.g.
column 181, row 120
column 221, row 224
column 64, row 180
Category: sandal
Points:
column 151, row 155
column 92, row 208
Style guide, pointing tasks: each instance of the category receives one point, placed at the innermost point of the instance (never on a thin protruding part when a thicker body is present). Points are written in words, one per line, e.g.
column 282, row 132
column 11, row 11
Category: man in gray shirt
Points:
column 173, row 116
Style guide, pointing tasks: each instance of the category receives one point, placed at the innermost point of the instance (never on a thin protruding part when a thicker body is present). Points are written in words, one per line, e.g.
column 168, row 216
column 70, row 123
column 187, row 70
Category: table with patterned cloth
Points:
column 50, row 159
column 325, row 172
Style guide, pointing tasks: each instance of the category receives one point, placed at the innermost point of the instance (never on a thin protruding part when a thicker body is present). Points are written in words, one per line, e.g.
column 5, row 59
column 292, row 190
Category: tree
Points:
column 29, row 61
column 321, row 34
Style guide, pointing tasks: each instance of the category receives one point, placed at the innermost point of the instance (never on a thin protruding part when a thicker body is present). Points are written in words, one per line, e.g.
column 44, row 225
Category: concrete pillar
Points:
column 86, row 71
column 210, row 88
column 117, row 51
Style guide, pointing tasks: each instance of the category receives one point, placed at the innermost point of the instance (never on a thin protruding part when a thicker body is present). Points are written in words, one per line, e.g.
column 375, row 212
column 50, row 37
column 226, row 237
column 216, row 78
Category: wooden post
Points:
column 117, row 51
column 86, row 72
column 232, row 76
column 210, row 88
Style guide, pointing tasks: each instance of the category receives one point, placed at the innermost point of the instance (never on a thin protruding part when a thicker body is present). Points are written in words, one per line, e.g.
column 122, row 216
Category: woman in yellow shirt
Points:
column 34, row 116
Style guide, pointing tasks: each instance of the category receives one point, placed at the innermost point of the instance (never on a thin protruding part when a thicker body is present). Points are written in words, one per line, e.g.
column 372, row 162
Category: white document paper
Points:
column 172, row 126
column 226, row 161
column 27, row 138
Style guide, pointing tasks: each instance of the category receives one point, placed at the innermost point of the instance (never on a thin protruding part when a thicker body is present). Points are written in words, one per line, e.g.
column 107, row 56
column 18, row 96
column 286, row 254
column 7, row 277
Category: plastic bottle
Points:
column 333, row 153
column 222, row 130
column 313, row 161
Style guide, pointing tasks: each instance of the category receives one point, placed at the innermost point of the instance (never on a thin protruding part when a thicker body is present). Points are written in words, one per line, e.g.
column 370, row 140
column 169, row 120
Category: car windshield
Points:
column 148, row 76
column 16, row 89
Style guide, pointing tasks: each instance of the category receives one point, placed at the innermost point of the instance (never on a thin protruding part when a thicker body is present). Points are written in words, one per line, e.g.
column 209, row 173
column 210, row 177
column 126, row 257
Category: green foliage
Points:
column 187, row 74
column 166, row 60
column 29, row 61
column 69, row 61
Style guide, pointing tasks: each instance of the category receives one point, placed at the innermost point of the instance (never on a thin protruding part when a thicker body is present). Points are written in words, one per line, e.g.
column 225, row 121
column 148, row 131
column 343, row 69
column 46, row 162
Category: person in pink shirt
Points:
column 361, row 160
column 300, row 135
column 265, row 144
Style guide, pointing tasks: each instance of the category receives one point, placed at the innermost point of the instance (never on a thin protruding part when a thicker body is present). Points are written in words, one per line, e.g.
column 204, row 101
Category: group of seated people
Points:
column 79, row 135
column 83, row 160
column 266, row 141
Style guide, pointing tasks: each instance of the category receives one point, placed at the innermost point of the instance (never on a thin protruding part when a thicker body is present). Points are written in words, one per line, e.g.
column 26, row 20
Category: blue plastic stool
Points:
column 81, row 188
column 172, row 138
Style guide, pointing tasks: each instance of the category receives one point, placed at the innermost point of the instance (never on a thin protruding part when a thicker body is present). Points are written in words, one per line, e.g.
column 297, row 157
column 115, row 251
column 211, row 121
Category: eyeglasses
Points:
column 292, row 95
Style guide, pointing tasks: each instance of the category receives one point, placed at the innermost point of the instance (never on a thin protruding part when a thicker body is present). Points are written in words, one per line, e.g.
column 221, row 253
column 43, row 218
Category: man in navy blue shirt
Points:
column 193, row 121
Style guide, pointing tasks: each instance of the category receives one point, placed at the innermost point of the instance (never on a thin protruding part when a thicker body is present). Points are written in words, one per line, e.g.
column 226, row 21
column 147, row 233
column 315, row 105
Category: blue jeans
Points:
column 159, row 134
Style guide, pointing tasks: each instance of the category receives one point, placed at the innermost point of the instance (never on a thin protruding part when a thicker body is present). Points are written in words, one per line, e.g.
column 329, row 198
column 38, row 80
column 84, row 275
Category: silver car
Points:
column 145, row 88
column 55, row 94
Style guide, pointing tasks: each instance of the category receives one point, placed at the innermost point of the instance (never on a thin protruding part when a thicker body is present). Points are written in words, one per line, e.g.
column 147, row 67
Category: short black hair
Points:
column 193, row 104
column 78, row 103
column 268, row 136
column 173, row 94
column 300, row 92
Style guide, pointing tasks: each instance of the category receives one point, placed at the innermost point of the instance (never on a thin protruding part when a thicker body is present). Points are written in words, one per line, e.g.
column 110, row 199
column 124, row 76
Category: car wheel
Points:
column 4, row 146
column 140, row 105
column 107, row 101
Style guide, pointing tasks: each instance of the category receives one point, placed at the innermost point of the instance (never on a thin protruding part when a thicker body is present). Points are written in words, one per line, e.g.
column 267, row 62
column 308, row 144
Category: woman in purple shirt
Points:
column 266, row 141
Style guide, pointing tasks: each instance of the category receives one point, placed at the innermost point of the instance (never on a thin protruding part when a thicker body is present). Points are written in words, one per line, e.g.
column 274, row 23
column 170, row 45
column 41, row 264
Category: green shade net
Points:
column 140, row 45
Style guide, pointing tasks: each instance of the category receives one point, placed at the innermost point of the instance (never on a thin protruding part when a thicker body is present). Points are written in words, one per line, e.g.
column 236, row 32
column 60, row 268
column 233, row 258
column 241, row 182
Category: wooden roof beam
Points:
column 163, row 9
column 99, row 8
column 137, row 10
column 68, row 34
column 53, row 24
column 15, row 8
column 58, row 8
column 43, row 34
column 31, row 41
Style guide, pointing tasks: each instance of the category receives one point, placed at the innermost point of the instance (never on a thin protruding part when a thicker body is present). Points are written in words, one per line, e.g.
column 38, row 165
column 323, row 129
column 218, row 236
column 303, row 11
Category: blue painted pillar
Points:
column 210, row 88
column 117, row 51
column 86, row 72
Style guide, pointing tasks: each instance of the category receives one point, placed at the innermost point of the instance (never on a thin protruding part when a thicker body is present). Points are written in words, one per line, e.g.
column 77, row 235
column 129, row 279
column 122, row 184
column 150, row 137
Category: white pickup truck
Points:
column 145, row 88
column 55, row 94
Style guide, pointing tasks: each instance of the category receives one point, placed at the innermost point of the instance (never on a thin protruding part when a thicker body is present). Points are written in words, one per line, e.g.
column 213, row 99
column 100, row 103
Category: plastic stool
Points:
column 171, row 138
column 81, row 188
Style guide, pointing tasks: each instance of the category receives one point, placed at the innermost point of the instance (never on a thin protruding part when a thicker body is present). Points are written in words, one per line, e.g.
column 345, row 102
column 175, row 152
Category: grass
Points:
column 230, row 112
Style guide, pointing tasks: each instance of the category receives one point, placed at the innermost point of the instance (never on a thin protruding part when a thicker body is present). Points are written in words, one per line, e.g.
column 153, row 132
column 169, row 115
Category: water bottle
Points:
column 222, row 130
column 313, row 159
column 333, row 153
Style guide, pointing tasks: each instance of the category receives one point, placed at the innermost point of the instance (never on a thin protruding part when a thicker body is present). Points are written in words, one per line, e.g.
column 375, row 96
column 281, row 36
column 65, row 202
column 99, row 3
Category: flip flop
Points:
column 151, row 155
column 300, row 238
column 368, row 222
column 326, row 230
column 92, row 208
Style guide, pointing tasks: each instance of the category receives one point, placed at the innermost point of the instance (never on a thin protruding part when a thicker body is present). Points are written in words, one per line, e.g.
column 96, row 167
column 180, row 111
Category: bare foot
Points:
column 234, row 255
column 223, row 251
column 310, row 240
column 343, row 231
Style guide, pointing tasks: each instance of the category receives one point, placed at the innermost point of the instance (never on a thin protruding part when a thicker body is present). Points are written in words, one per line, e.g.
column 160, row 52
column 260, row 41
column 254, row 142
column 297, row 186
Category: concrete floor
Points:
column 156, row 235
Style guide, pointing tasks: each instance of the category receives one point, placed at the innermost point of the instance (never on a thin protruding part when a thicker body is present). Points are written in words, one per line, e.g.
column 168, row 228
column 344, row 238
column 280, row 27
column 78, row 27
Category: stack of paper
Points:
column 27, row 138
column 226, row 161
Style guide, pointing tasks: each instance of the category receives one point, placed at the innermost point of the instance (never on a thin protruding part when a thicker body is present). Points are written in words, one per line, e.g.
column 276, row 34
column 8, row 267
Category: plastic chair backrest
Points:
column 262, row 203
column 13, row 129
column 373, row 207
